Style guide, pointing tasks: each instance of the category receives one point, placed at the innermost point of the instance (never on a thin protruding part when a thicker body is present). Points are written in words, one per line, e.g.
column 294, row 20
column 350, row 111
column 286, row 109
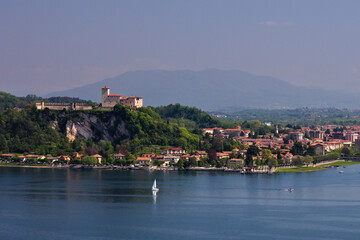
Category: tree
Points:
column 308, row 160
column 90, row 151
column 249, row 161
column 297, row 149
column 3, row 145
column 298, row 161
column 272, row 162
column 253, row 150
column 234, row 154
column 122, row 149
column 269, row 159
column 89, row 160
column 156, row 162
column 110, row 160
column 259, row 162
column 327, row 131
column 221, row 162
column 180, row 164
column 193, row 161
column 266, row 154
column 311, row 151
column 346, row 152
column 212, row 154
column 218, row 143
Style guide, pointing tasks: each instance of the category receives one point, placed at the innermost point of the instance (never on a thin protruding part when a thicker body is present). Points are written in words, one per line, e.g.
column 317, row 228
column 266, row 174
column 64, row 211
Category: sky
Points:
column 47, row 46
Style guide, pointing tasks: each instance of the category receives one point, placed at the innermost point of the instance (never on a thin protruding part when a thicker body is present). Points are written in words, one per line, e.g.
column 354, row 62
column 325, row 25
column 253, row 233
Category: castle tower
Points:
column 105, row 92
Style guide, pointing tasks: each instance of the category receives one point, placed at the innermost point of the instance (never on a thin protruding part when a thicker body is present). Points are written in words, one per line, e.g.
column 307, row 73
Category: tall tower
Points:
column 105, row 91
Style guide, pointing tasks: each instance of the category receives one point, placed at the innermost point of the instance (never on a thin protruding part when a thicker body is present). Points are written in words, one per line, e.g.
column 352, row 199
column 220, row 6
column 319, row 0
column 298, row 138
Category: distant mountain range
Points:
column 213, row 89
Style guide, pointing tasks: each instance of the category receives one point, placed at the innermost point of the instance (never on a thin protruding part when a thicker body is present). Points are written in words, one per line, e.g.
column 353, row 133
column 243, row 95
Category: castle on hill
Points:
column 110, row 100
column 107, row 101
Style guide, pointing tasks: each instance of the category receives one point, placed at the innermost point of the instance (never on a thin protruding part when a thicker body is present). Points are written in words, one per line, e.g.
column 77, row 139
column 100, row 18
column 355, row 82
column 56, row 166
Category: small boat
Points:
column 290, row 189
column 154, row 188
column 341, row 171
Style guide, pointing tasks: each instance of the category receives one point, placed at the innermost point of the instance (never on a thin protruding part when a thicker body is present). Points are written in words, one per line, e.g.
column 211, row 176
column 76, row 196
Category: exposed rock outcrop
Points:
column 91, row 126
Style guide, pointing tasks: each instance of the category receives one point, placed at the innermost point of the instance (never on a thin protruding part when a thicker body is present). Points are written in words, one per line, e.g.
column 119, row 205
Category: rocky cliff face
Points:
column 91, row 126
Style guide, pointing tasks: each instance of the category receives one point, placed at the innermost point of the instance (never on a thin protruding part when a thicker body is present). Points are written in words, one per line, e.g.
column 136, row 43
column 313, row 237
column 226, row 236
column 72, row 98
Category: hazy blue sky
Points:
column 55, row 45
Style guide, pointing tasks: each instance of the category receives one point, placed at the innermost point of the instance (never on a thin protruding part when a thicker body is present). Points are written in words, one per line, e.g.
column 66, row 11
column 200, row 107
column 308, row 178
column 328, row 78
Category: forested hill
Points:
column 190, row 117
column 9, row 101
column 104, row 132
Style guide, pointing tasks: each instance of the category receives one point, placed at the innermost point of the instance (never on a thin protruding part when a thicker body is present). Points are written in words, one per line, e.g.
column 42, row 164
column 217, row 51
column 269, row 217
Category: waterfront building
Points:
column 119, row 156
column 171, row 158
column 144, row 161
column 98, row 158
column 235, row 162
column 7, row 156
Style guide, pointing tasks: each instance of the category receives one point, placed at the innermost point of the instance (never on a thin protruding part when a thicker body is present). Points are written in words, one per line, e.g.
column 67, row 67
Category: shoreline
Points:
column 315, row 167
column 289, row 169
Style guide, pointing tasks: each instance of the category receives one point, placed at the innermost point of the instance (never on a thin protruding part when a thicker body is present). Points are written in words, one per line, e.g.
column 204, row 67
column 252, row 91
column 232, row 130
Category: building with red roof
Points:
column 110, row 100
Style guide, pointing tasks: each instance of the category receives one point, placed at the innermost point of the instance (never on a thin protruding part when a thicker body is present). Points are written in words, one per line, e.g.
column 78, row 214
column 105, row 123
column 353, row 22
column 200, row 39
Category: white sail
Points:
column 154, row 188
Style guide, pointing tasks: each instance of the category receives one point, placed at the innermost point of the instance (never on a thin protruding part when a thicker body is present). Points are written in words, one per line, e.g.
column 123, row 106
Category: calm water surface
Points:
column 102, row 204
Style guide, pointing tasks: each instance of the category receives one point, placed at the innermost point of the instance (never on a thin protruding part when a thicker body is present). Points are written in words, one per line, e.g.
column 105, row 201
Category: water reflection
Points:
column 154, row 194
column 208, row 205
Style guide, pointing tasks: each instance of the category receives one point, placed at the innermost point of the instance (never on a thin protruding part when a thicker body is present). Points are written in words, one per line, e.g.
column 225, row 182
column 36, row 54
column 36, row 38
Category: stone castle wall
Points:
column 61, row 106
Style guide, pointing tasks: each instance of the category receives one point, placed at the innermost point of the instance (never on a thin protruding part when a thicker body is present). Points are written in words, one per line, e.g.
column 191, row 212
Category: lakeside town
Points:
column 255, row 153
column 254, row 147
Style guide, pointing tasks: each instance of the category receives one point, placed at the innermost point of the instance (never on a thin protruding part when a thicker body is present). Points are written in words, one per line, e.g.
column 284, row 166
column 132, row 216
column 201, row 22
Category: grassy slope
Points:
column 310, row 169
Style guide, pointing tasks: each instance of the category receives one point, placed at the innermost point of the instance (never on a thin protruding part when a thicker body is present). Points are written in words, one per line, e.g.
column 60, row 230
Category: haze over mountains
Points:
column 213, row 89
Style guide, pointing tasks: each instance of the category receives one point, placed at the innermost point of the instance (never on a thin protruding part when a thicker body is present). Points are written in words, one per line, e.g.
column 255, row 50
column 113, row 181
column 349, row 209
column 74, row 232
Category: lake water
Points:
column 103, row 204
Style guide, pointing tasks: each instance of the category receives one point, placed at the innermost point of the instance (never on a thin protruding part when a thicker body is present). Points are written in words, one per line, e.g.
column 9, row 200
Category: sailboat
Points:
column 154, row 188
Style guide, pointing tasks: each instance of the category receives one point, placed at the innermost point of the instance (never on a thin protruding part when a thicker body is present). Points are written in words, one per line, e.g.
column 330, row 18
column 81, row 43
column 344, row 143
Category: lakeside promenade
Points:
column 245, row 170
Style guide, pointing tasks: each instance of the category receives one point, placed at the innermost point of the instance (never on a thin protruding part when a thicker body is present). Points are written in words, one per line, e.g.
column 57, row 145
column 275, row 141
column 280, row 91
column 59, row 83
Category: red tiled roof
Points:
column 200, row 152
column 219, row 154
column 236, row 159
column 7, row 155
column 119, row 155
column 314, row 144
